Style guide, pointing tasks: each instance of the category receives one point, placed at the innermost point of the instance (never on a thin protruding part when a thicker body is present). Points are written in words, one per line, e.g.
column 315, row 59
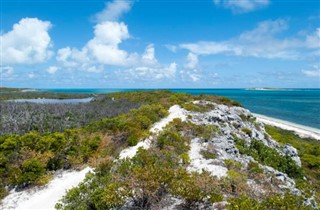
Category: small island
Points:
column 267, row 89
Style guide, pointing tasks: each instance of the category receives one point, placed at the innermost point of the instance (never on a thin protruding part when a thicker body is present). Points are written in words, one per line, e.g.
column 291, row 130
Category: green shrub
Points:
column 132, row 140
column 243, row 202
column 278, row 201
column 3, row 190
column 199, row 107
column 247, row 131
column 309, row 152
column 233, row 165
column 311, row 161
column 267, row 156
column 206, row 154
column 171, row 139
column 254, row 168
column 195, row 187
column 32, row 169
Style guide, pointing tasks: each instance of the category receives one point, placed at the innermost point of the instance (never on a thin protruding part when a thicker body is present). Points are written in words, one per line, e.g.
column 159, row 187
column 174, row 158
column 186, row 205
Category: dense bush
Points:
column 195, row 188
column 277, row 201
column 146, row 178
column 134, row 125
column 198, row 107
column 247, row 131
column 270, row 157
column 27, row 159
column 309, row 152
column 167, row 98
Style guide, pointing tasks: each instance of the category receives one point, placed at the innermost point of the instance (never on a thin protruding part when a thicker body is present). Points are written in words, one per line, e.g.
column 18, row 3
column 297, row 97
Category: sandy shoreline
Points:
column 302, row 131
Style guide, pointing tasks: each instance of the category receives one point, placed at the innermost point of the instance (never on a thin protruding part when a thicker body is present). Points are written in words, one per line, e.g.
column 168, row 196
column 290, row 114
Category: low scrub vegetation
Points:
column 28, row 159
column 309, row 152
column 270, row 157
column 146, row 180
column 278, row 201
column 198, row 107
column 167, row 98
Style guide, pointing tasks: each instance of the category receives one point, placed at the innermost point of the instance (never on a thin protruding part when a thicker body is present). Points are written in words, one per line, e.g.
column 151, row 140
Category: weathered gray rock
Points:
column 231, row 121
column 292, row 152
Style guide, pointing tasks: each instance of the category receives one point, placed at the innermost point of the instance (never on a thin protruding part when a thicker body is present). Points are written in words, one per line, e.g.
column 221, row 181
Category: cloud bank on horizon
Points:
column 272, row 51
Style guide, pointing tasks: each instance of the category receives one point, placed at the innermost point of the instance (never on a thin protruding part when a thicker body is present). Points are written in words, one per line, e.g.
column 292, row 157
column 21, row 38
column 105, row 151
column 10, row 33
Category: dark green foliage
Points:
column 170, row 139
column 247, row 131
column 134, row 125
column 199, row 107
column 267, row 156
column 247, row 118
column 208, row 154
column 309, row 152
column 227, row 101
column 233, row 165
column 205, row 132
column 132, row 140
column 3, row 190
column 18, row 93
column 27, row 159
column 254, row 168
column 32, row 169
column 195, row 188
column 243, row 202
column 277, row 201
column 146, row 178
column 167, row 98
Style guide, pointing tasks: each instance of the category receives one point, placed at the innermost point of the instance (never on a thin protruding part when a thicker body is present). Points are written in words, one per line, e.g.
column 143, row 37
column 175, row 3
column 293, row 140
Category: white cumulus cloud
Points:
column 103, row 48
column 114, row 10
column 27, row 43
column 6, row 72
column 313, row 40
column 31, row 75
column 314, row 72
column 242, row 6
column 264, row 41
column 144, row 73
column 52, row 69
column 148, row 57
column 192, row 61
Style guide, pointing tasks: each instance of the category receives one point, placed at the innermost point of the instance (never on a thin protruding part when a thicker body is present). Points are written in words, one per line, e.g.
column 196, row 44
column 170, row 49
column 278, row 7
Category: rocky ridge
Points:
column 202, row 156
column 237, row 122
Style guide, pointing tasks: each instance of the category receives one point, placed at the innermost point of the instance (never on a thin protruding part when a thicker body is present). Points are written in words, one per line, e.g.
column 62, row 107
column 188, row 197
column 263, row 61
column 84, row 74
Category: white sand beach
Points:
column 302, row 131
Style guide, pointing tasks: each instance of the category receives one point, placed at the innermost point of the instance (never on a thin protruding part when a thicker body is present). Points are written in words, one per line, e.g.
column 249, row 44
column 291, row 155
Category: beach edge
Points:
column 300, row 130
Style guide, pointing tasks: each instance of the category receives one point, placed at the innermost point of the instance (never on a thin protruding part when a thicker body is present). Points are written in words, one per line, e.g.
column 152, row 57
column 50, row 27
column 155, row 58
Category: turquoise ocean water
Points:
column 300, row 106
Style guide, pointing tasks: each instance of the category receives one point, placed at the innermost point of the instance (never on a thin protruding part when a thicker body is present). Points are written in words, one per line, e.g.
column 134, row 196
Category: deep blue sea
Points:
column 300, row 106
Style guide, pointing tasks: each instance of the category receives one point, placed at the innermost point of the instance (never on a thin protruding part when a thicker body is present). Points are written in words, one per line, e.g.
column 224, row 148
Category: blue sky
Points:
column 160, row 43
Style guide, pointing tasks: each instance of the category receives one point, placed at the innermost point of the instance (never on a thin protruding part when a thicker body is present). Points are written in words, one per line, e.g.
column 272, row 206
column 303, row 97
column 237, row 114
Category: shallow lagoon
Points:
column 53, row 101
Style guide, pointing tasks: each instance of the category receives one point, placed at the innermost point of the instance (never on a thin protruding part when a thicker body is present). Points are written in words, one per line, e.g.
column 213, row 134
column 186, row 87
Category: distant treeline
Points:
column 8, row 93
column 21, row 118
